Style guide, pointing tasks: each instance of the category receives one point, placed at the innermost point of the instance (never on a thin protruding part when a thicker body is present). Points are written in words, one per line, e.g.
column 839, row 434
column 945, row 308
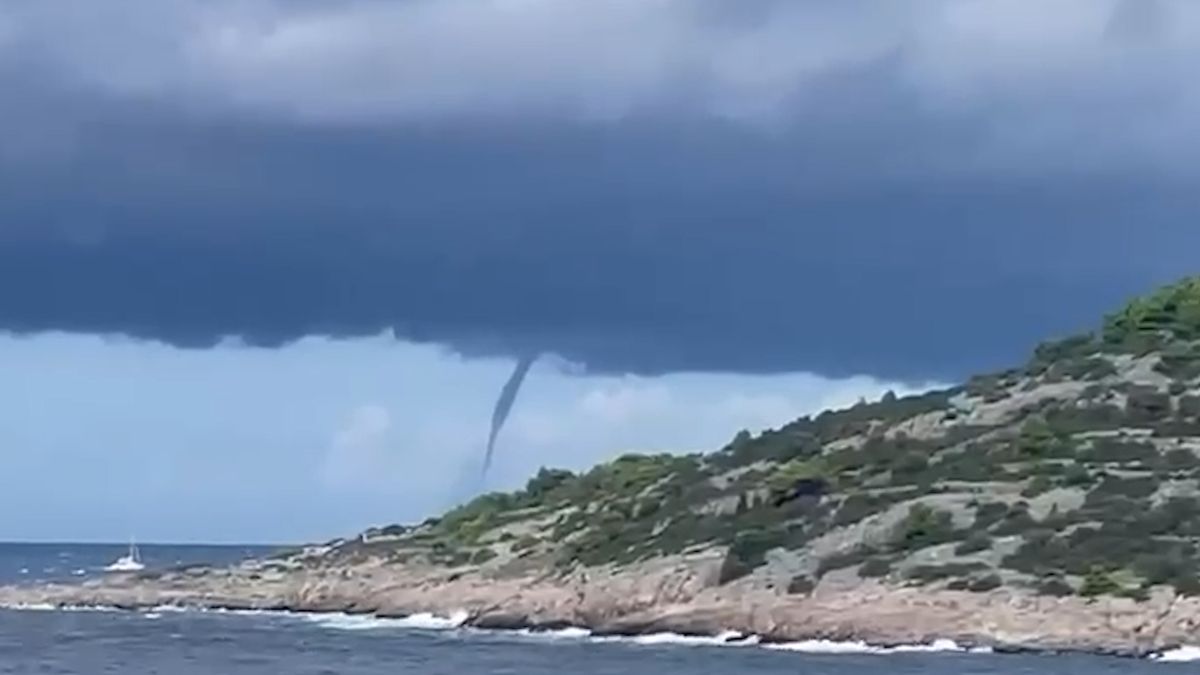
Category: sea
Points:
column 168, row 641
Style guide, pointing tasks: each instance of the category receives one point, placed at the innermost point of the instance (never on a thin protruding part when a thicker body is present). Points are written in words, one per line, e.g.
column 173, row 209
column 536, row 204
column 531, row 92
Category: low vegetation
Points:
column 1076, row 474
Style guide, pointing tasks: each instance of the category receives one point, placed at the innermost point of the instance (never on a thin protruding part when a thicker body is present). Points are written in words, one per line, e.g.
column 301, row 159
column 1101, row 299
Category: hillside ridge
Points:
column 1077, row 473
column 1051, row 506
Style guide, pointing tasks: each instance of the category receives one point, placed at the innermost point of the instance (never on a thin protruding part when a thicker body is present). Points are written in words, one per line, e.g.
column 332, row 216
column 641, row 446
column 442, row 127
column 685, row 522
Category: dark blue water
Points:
column 88, row 643
column 33, row 563
column 194, row 643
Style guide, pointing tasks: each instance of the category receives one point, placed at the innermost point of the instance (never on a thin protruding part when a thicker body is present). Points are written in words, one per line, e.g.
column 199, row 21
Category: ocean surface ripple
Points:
column 176, row 642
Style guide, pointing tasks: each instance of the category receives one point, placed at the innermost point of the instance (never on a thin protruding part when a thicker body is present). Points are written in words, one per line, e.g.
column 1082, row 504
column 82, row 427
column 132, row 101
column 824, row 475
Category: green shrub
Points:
column 991, row 388
column 1189, row 406
column 1173, row 310
column 1055, row 586
column 1179, row 362
column 1137, row 593
column 1016, row 521
column 986, row 583
column 989, row 513
column 1089, row 368
column 924, row 526
column 1179, row 459
column 649, row 506
column 1038, row 440
column 748, row 551
column 482, row 556
column 1187, row 585
column 1131, row 488
column 1163, row 568
column 1098, row 582
column 1144, row 405
column 752, row 545
column 971, row 465
column 1176, row 428
column 1095, row 417
column 1050, row 469
column 875, row 567
column 732, row 569
column 844, row 559
column 1117, row 451
column 1177, row 516
column 526, row 542
column 1038, row 485
column 1066, row 349
column 466, row 523
column 800, row 585
column 976, row 542
column 910, row 464
column 546, row 481
column 1040, row 552
column 928, row 573
column 789, row 473
column 1076, row 475
column 858, row 506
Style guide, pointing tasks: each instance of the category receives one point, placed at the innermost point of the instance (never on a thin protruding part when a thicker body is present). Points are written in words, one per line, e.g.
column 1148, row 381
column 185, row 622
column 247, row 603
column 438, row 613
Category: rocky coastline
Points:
column 676, row 596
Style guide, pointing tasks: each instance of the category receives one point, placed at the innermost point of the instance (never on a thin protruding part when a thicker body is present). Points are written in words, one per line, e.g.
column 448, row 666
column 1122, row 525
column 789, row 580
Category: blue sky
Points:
column 106, row 438
column 265, row 264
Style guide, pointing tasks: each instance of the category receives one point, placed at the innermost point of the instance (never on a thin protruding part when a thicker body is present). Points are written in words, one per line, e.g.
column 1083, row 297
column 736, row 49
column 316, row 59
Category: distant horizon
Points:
column 140, row 544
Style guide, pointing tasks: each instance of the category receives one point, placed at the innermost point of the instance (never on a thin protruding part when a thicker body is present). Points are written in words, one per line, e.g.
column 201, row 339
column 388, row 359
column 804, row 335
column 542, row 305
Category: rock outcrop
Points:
column 678, row 597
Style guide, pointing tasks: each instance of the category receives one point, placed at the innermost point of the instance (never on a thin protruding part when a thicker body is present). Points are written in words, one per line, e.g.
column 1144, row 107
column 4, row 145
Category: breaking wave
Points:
column 726, row 639
column 423, row 621
column 1180, row 655
column 458, row 620
column 736, row 639
column 49, row 607
column 859, row 647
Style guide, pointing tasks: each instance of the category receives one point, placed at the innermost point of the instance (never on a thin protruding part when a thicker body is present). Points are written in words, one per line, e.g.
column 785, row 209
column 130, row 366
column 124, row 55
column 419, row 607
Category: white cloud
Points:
column 626, row 400
column 1041, row 64
column 361, row 451
column 581, row 421
column 759, row 411
column 325, row 436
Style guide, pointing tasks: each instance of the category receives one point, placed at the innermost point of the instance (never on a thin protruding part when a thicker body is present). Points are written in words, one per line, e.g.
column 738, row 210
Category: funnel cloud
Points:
column 504, row 404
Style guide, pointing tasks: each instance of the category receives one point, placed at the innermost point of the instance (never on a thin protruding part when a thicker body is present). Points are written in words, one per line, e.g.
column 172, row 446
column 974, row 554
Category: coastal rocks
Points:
column 691, row 624
column 502, row 620
column 666, row 596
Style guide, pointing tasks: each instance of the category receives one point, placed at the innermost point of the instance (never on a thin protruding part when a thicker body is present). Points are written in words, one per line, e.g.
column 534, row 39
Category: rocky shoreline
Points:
column 675, row 596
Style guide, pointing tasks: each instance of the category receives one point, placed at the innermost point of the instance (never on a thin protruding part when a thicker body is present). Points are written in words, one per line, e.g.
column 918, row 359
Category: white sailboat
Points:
column 131, row 562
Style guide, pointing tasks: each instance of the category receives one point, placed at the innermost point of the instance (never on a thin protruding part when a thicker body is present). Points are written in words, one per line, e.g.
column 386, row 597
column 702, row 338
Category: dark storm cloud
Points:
column 907, row 193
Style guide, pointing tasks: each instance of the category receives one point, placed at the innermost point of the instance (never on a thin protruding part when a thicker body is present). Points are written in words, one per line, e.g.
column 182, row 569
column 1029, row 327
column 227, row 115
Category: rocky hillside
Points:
column 1076, row 473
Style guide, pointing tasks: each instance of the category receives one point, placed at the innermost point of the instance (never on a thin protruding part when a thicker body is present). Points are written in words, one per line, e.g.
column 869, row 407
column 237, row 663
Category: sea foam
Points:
column 571, row 633
column 422, row 621
column 725, row 639
column 48, row 607
column 457, row 620
column 860, row 647
column 1180, row 655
